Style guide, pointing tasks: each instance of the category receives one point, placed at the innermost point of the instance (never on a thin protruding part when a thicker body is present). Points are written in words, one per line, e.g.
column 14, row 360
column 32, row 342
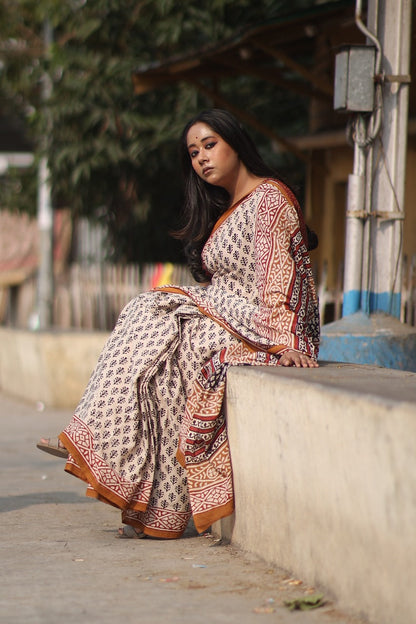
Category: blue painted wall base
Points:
column 378, row 339
column 371, row 302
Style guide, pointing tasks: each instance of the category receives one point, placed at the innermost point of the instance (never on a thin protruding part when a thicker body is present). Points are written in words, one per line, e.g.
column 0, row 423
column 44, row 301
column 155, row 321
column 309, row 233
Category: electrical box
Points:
column 354, row 79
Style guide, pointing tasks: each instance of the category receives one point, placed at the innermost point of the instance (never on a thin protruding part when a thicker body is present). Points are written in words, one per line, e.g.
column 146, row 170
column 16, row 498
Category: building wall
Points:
column 328, row 175
column 409, row 234
column 326, row 207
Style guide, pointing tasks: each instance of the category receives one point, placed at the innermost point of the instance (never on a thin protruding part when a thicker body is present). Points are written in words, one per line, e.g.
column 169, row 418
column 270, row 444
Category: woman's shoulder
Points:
column 282, row 204
column 277, row 187
column 275, row 204
column 274, row 193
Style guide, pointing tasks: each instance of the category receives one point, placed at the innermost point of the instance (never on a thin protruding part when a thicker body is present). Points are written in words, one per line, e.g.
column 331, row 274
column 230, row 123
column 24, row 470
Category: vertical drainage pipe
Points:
column 355, row 223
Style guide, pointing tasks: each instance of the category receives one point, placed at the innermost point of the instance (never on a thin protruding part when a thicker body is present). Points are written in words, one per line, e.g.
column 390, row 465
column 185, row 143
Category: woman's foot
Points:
column 53, row 446
column 129, row 532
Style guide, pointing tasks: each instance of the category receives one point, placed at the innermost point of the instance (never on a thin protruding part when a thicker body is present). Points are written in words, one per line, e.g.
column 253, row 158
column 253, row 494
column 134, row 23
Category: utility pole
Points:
column 45, row 220
column 390, row 20
column 375, row 210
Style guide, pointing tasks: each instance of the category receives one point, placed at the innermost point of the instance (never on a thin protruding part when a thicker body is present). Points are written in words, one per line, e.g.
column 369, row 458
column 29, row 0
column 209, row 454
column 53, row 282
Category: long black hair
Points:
column 204, row 203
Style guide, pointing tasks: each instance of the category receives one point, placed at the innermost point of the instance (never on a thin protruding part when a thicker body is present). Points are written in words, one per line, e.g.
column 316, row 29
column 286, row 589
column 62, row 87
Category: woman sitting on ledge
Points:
column 149, row 434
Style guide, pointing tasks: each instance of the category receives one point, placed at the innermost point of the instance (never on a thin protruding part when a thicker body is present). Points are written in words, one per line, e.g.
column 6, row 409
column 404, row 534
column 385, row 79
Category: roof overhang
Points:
column 281, row 52
column 266, row 51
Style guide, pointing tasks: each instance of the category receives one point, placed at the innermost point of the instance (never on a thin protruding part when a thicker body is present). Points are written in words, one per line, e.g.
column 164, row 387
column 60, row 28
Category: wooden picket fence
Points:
column 93, row 296
column 88, row 296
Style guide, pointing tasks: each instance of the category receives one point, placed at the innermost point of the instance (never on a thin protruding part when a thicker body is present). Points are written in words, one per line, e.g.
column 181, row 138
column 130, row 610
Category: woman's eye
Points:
column 210, row 145
column 193, row 154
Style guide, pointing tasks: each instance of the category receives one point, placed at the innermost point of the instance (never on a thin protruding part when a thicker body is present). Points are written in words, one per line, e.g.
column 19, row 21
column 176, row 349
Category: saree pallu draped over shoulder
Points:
column 149, row 435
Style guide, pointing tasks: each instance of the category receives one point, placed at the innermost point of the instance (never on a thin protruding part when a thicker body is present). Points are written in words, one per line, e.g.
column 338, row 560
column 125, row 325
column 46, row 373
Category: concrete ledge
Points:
column 52, row 367
column 324, row 468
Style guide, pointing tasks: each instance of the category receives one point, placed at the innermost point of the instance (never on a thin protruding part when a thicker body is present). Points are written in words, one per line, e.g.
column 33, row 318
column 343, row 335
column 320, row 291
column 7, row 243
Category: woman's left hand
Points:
column 300, row 360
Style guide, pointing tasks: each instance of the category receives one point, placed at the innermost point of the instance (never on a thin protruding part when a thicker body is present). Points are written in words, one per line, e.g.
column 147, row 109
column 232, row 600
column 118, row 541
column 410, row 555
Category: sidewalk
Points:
column 61, row 559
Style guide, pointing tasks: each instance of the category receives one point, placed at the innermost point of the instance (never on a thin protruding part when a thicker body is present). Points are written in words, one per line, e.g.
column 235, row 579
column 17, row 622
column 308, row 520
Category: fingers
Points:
column 299, row 360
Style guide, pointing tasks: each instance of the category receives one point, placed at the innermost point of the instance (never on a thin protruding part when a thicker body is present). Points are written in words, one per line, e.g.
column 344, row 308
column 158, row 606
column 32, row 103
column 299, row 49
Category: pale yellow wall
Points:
column 326, row 206
column 409, row 235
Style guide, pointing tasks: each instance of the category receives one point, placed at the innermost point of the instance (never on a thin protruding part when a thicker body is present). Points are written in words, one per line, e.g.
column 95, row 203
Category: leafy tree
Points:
column 112, row 155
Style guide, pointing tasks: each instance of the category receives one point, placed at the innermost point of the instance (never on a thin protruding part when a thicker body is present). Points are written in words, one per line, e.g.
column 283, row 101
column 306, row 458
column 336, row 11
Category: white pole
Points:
column 45, row 228
column 355, row 222
column 390, row 20
column 45, row 224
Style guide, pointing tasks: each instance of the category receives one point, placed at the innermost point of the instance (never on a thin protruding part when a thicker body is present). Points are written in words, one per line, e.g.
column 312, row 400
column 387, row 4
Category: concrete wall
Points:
column 52, row 367
column 324, row 469
column 326, row 205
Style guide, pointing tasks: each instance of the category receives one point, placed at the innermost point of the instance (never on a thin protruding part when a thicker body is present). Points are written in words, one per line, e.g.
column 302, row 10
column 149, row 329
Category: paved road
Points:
column 61, row 559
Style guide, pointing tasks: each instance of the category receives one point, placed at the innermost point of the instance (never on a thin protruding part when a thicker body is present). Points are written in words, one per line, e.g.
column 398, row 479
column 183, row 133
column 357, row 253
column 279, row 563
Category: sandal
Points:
column 53, row 446
column 129, row 532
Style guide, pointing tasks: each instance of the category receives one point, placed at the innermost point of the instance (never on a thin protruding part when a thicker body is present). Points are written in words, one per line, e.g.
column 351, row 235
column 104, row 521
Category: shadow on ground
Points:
column 13, row 503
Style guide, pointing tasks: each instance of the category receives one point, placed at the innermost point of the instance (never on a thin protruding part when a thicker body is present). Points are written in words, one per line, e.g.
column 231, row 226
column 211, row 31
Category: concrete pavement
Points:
column 61, row 559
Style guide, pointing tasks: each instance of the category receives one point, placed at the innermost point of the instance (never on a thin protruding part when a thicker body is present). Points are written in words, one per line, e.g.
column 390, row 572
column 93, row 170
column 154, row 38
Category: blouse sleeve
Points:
column 284, row 278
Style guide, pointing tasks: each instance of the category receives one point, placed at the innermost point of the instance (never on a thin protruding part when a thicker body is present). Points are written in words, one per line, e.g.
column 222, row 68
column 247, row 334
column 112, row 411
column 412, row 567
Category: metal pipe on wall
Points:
column 354, row 222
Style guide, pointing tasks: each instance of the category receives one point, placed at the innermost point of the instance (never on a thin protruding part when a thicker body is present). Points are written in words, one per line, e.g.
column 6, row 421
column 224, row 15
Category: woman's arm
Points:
column 288, row 312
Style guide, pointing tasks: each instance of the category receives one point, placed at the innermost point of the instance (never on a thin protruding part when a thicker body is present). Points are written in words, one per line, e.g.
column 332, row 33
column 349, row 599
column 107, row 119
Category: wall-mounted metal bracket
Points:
column 387, row 215
column 393, row 78
column 357, row 214
column 377, row 214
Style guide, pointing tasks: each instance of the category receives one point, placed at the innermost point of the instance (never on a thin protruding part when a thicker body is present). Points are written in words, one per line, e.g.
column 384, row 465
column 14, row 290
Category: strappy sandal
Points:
column 129, row 532
column 53, row 446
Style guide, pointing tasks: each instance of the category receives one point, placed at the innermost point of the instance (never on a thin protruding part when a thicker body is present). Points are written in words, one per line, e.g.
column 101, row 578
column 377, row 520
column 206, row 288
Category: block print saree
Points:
column 149, row 435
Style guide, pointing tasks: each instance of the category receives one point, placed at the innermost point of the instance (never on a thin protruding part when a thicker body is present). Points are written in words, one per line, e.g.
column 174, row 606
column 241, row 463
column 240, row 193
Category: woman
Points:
column 149, row 434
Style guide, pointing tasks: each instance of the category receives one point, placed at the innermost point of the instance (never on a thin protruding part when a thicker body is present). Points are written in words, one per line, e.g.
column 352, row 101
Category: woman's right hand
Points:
column 295, row 358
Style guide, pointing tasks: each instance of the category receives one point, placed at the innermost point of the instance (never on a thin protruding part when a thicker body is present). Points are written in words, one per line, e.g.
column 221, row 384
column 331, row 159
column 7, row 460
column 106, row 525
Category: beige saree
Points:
column 149, row 435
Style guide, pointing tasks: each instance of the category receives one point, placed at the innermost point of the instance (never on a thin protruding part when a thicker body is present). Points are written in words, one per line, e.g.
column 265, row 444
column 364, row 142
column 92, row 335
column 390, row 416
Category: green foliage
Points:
column 19, row 190
column 111, row 153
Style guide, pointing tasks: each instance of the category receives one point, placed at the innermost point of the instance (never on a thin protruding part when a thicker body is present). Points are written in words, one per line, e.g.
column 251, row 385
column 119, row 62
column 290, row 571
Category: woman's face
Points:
column 212, row 158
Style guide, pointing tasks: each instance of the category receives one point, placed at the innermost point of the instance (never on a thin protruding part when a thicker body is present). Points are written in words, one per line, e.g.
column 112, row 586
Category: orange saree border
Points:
column 128, row 500
column 210, row 487
column 129, row 517
column 79, row 467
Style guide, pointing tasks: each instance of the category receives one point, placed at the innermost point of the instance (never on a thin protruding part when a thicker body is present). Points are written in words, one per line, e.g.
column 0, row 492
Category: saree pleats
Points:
column 123, row 437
